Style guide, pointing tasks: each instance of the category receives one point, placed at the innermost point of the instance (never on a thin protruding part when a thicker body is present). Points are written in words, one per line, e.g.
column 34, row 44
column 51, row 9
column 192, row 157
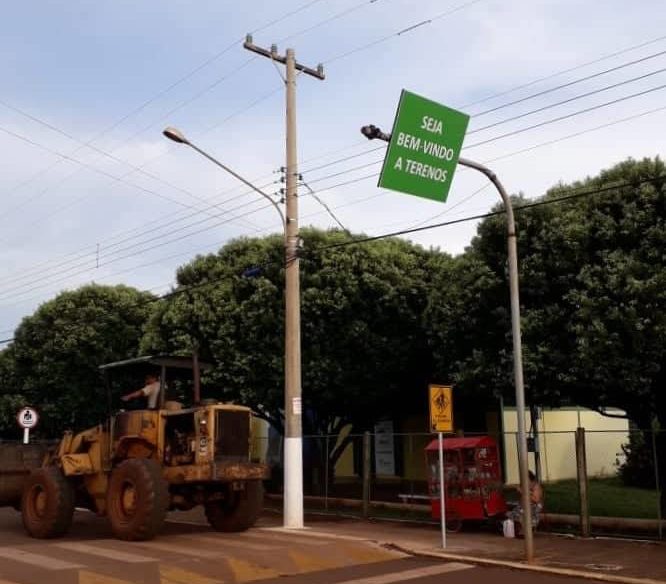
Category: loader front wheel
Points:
column 47, row 503
column 239, row 510
column 137, row 499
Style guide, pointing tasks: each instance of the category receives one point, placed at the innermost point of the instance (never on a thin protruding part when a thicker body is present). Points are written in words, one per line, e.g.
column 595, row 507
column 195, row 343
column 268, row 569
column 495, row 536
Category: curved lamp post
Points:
column 177, row 136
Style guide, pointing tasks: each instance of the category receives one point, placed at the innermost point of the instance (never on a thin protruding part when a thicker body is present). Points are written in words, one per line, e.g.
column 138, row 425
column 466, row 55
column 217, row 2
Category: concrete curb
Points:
column 570, row 572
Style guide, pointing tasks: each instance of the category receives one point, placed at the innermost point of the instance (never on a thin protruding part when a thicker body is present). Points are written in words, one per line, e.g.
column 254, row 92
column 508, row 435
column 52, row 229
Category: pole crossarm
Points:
column 274, row 56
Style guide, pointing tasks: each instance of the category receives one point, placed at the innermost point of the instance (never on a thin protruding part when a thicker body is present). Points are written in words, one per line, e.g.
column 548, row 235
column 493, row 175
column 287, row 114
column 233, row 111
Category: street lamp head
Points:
column 175, row 135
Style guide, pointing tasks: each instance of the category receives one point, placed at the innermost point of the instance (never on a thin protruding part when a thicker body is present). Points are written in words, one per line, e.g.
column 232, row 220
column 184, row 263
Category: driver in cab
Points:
column 151, row 390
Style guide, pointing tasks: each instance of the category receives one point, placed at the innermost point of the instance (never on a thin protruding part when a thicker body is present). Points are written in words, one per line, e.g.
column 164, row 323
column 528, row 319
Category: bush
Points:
column 637, row 470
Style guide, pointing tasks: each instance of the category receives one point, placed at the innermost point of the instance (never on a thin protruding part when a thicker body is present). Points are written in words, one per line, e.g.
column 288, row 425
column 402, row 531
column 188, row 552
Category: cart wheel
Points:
column 454, row 523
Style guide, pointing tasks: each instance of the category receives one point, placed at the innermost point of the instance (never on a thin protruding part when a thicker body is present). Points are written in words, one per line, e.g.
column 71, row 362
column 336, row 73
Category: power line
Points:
column 314, row 195
column 83, row 164
column 6, row 295
column 615, row 53
column 80, row 252
column 508, row 155
column 565, row 71
column 567, row 116
column 569, row 84
column 580, row 133
column 351, row 157
column 107, row 260
column 577, row 194
column 533, row 147
column 569, row 100
column 573, row 194
column 173, row 85
column 330, row 19
column 190, row 100
column 347, row 171
column 531, row 83
column 499, row 137
column 126, row 235
column 402, row 31
column 98, row 150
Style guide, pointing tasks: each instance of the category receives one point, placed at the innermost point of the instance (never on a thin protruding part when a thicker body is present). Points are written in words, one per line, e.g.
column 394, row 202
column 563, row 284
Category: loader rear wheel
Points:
column 47, row 504
column 239, row 511
column 137, row 499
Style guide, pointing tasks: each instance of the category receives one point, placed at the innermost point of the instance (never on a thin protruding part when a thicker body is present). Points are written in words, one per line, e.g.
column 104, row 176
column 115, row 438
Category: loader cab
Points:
column 179, row 379
column 170, row 432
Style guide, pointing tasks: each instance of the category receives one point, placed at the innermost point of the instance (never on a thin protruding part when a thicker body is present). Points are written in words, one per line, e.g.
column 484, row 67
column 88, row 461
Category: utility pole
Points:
column 293, row 432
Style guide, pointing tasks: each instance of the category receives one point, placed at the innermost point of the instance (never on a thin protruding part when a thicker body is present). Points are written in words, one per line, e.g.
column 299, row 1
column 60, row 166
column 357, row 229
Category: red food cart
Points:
column 472, row 480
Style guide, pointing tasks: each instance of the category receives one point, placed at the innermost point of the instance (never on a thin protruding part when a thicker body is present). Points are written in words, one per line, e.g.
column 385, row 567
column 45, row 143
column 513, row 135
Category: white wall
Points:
column 604, row 437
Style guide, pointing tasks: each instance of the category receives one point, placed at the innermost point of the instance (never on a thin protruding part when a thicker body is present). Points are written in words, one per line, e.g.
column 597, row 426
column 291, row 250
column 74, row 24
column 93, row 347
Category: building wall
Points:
column 604, row 437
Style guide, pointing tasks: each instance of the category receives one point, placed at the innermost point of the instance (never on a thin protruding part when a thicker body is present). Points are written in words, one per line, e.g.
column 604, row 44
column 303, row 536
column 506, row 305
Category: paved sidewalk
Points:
column 610, row 559
column 613, row 560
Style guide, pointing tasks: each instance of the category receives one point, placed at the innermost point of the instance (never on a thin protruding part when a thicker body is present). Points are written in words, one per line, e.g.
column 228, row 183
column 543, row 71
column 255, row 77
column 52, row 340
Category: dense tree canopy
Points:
column 593, row 296
column 380, row 319
column 53, row 360
column 363, row 351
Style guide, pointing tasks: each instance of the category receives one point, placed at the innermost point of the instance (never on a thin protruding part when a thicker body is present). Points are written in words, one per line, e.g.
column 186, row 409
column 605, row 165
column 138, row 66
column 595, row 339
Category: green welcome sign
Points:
column 424, row 148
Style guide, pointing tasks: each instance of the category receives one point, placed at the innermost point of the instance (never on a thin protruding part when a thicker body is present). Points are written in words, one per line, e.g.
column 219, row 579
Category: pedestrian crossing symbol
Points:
column 441, row 408
column 27, row 418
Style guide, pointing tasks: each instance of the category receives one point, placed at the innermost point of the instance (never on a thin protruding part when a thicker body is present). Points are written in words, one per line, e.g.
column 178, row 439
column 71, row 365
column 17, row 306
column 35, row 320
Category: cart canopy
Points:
column 456, row 443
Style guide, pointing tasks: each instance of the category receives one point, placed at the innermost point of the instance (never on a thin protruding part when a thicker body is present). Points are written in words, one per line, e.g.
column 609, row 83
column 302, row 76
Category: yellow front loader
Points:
column 142, row 463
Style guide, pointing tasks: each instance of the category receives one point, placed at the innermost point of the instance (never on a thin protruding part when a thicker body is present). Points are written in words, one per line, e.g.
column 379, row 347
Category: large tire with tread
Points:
column 137, row 499
column 239, row 511
column 47, row 503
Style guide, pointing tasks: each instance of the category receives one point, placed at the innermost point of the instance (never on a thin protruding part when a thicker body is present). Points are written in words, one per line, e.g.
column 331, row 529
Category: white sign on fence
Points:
column 384, row 449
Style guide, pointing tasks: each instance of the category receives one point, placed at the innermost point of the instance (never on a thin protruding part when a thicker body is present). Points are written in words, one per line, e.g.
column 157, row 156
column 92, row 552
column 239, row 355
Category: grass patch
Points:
column 608, row 498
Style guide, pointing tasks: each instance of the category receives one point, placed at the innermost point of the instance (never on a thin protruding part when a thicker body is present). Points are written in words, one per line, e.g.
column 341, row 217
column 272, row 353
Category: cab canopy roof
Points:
column 170, row 362
column 457, row 443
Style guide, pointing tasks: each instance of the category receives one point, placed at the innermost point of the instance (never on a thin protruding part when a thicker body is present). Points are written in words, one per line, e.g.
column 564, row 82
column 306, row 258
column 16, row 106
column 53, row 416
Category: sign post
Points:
column 441, row 420
column 27, row 419
column 424, row 148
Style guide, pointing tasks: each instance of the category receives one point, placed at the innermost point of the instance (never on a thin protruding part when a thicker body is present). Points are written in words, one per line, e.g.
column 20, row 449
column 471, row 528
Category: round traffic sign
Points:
column 27, row 418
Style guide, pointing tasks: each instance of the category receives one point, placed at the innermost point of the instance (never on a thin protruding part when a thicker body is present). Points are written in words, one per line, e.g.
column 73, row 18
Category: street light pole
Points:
column 517, row 354
column 293, row 449
column 371, row 132
column 177, row 136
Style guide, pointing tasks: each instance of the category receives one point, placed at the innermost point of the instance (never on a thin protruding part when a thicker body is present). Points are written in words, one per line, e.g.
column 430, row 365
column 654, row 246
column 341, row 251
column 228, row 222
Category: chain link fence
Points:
column 595, row 482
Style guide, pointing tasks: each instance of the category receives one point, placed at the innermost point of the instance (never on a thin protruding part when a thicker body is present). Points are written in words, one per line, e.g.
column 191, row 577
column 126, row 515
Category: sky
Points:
column 90, row 191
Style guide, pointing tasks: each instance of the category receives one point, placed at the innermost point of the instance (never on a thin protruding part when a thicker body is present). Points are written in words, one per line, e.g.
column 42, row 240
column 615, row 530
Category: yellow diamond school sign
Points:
column 424, row 148
column 441, row 408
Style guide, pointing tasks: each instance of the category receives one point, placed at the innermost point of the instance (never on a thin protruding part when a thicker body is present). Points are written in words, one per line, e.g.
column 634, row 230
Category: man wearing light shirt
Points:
column 151, row 391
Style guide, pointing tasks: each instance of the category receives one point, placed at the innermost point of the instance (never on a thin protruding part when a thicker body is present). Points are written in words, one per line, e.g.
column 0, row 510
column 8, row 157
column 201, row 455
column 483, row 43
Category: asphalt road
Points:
column 191, row 553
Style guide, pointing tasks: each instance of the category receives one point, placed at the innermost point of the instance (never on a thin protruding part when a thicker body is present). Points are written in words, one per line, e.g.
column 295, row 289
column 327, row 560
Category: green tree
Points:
column 57, row 350
column 364, row 354
column 593, row 296
column 10, row 400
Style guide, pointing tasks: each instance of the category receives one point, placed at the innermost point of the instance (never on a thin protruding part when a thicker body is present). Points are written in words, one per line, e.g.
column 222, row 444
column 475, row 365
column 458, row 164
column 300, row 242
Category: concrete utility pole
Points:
column 293, row 433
